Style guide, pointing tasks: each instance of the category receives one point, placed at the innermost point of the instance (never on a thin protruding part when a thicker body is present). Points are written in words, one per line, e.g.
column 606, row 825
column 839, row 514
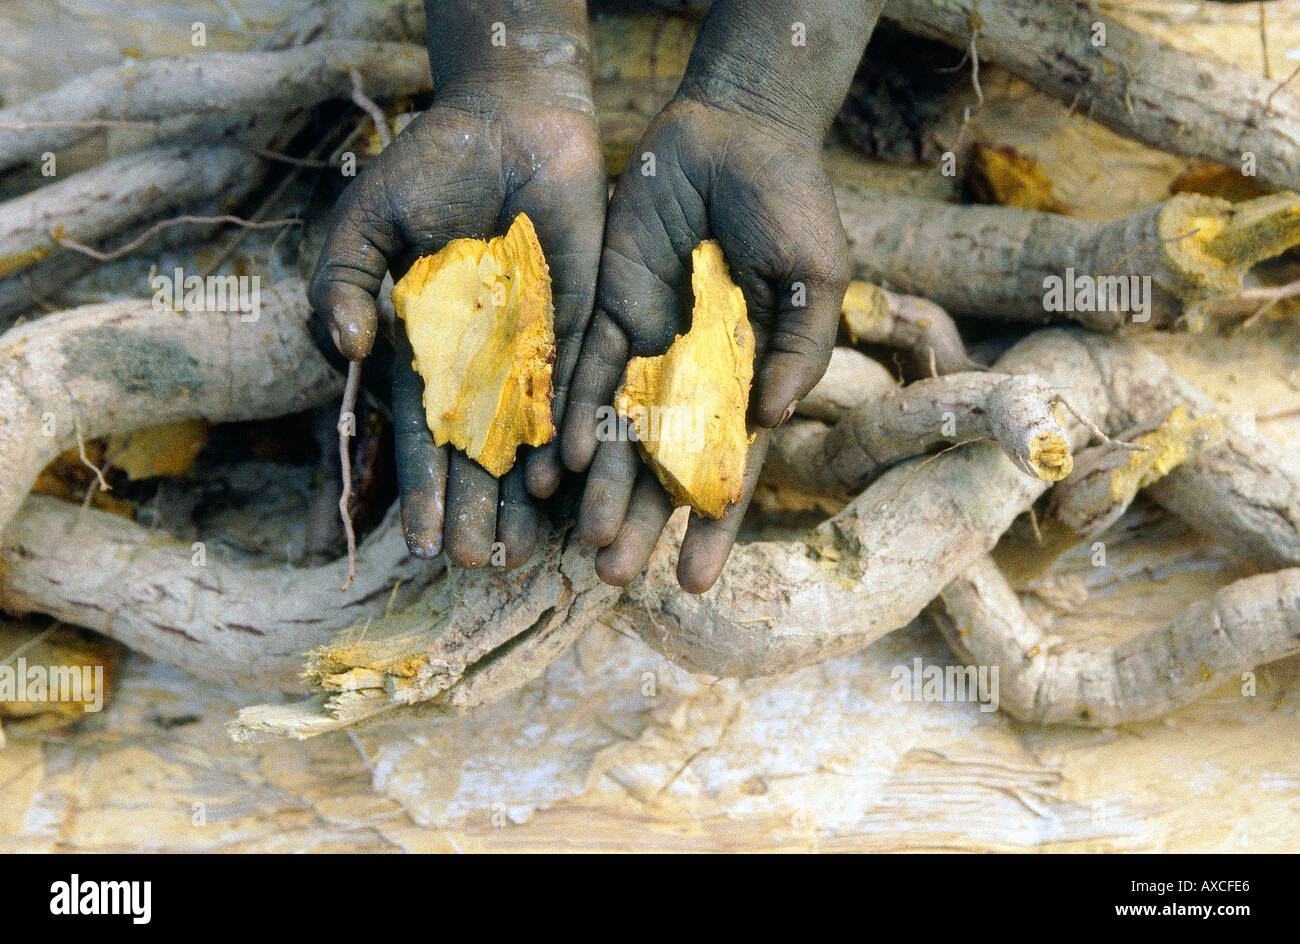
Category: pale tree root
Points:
column 117, row 367
column 1001, row 262
column 1103, row 485
column 871, row 568
column 426, row 655
column 44, row 285
column 851, row 377
column 1236, row 489
column 207, row 84
column 183, row 604
column 777, row 606
column 83, row 210
column 873, row 315
column 1046, row 680
column 1226, row 484
column 88, row 207
column 1238, row 494
column 1134, row 84
column 112, row 368
column 1015, row 412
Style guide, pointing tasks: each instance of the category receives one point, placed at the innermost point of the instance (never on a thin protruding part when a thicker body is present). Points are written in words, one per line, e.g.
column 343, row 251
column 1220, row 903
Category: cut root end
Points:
column 1049, row 457
column 1213, row 243
column 1258, row 229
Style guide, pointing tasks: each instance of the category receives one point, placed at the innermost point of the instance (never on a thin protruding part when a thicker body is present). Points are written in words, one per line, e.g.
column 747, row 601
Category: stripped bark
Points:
column 474, row 637
column 209, row 84
column 1046, row 680
column 116, row 367
column 1133, row 83
column 994, row 262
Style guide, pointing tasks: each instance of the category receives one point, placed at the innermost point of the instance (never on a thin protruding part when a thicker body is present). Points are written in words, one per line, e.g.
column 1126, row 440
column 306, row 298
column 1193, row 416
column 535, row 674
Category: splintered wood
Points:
column 481, row 322
column 688, row 404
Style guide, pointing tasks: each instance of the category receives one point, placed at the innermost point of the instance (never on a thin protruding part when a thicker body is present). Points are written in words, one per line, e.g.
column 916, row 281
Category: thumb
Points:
column 802, row 337
column 360, row 242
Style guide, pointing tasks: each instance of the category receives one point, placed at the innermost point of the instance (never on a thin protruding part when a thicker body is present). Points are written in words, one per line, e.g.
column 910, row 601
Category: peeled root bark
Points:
column 1045, row 680
column 183, row 604
column 995, row 262
column 1134, row 84
column 207, row 84
column 117, row 367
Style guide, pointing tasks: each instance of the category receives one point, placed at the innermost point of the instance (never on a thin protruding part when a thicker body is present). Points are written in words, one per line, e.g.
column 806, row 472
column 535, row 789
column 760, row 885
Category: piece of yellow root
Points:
column 166, row 450
column 1005, row 176
column 480, row 319
column 688, row 404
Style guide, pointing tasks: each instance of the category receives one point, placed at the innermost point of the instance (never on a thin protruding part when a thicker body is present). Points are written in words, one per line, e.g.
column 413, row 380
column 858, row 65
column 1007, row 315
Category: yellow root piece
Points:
column 1003, row 176
column 169, row 449
column 1049, row 457
column 481, row 322
column 864, row 314
column 80, row 685
column 688, row 404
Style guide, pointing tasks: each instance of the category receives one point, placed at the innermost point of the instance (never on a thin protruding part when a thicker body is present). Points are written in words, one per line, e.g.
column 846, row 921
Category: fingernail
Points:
column 422, row 547
column 789, row 411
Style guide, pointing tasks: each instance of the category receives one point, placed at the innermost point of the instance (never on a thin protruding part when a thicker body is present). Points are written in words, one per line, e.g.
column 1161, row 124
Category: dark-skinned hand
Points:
column 466, row 168
column 736, row 157
column 757, row 187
